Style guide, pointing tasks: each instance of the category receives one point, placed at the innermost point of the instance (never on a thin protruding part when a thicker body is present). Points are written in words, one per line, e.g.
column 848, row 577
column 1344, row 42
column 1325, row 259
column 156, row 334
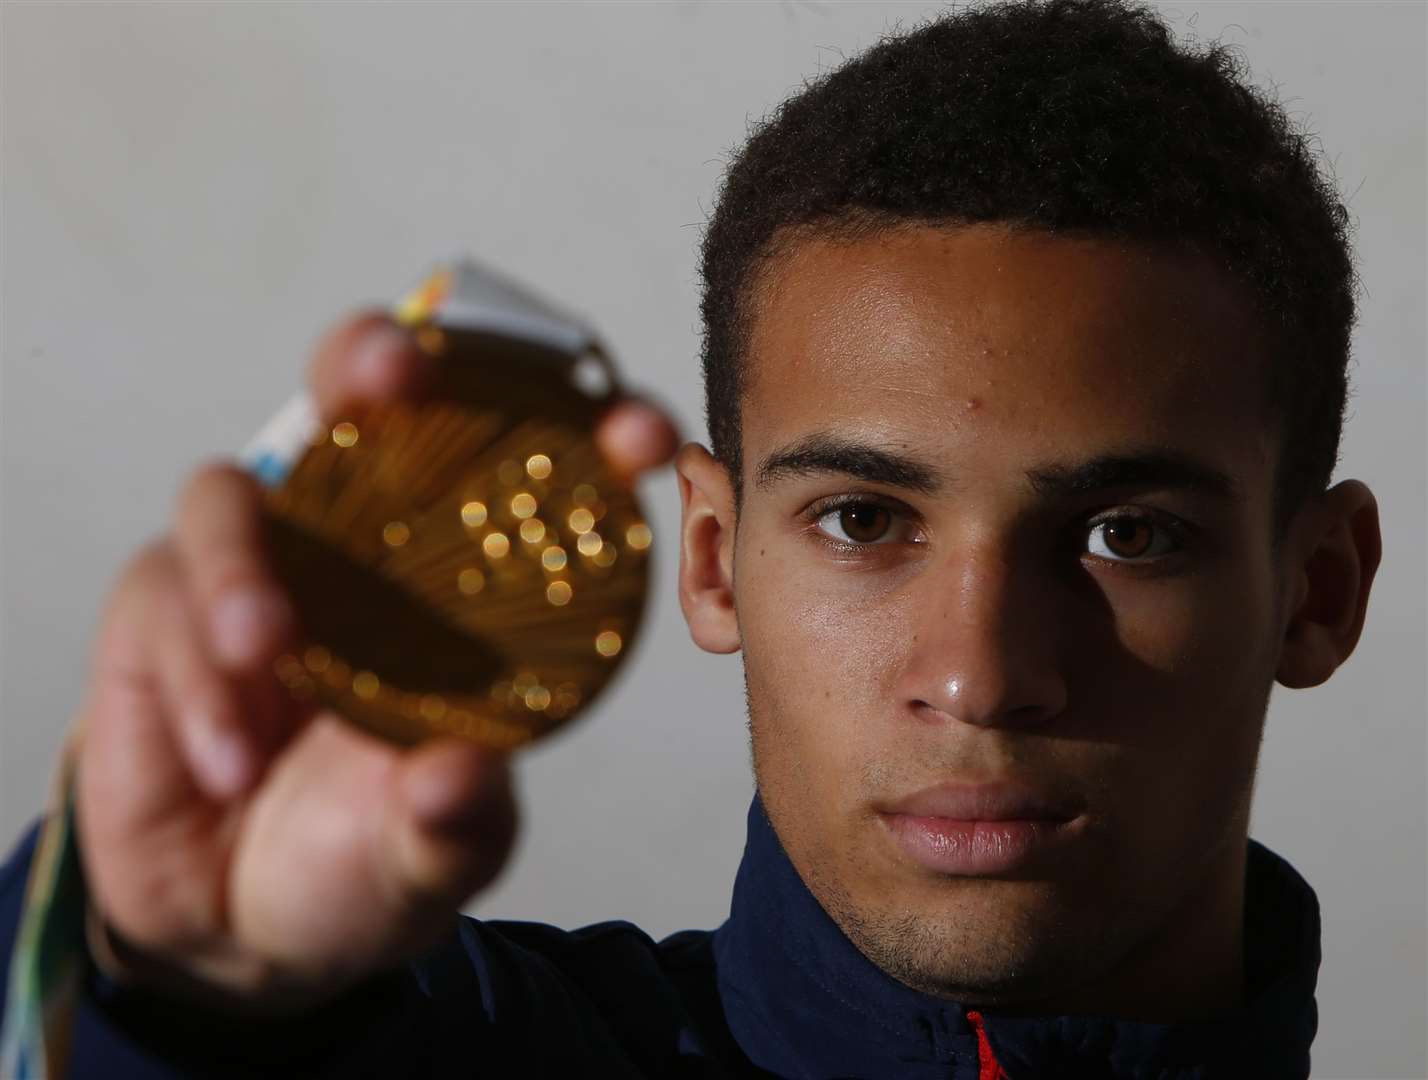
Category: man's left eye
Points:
column 1129, row 538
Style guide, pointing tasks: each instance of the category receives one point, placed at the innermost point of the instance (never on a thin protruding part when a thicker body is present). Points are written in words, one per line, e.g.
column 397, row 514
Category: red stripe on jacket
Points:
column 987, row 1067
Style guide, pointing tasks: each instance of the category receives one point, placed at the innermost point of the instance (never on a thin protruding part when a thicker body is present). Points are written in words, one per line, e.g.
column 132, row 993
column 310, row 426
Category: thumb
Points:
column 451, row 821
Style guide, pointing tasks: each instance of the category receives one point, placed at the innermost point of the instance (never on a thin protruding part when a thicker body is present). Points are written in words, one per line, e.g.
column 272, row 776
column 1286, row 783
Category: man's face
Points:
column 1007, row 597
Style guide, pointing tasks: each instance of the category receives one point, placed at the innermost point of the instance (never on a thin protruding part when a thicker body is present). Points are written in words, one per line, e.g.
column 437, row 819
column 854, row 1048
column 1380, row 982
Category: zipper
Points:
column 987, row 1067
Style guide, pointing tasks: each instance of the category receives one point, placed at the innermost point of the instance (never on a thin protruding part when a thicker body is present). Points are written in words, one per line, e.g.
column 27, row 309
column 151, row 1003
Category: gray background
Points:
column 191, row 193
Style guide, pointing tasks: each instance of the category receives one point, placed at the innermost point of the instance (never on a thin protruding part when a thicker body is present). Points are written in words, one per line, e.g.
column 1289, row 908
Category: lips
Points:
column 981, row 830
column 985, row 802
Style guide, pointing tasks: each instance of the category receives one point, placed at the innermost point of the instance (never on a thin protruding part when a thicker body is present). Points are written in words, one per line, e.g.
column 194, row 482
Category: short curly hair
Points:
column 1065, row 115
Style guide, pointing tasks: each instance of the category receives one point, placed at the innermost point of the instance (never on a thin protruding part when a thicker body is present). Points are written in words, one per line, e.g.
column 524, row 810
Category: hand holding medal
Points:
column 443, row 549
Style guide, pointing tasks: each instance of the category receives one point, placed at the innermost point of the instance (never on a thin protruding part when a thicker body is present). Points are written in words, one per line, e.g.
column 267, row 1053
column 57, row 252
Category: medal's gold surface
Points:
column 466, row 566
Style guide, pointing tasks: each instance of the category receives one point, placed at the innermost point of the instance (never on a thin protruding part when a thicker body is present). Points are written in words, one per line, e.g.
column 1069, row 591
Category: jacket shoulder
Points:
column 503, row 997
column 625, row 993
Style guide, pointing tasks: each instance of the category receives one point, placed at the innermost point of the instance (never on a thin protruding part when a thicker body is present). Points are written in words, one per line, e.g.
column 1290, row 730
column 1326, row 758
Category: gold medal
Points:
column 465, row 566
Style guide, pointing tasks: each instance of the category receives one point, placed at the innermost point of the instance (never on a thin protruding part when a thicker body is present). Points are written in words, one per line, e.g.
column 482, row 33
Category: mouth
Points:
column 980, row 830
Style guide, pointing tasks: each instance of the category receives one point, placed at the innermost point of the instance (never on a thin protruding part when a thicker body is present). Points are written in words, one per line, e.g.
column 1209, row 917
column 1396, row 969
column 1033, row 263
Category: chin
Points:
column 980, row 942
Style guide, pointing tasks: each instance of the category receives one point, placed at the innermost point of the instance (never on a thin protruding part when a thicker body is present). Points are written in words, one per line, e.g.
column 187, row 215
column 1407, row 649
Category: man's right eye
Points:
column 859, row 523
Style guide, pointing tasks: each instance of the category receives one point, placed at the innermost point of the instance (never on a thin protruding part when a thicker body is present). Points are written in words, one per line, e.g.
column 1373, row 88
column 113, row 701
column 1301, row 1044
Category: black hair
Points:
column 1064, row 115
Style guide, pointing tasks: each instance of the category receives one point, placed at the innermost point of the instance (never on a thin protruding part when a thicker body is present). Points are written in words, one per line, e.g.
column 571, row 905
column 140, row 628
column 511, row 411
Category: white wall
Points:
column 192, row 192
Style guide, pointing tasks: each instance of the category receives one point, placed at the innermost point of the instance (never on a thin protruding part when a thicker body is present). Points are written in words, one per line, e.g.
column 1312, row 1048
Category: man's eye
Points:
column 1128, row 538
column 863, row 523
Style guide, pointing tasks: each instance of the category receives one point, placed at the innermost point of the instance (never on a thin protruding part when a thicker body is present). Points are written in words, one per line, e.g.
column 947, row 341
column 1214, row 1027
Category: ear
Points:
column 706, row 550
column 1338, row 549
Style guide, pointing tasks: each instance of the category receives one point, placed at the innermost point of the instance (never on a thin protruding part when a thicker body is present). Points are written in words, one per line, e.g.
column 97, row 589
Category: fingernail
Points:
column 376, row 359
column 223, row 758
column 245, row 622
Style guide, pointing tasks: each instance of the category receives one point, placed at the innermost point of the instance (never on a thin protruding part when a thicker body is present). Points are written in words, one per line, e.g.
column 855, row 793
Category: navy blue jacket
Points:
column 777, row 990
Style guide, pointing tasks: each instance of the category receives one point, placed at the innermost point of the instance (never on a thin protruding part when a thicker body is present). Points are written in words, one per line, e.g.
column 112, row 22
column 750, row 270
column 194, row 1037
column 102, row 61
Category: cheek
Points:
column 820, row 659
column 1182, row 680
column 1189, row 643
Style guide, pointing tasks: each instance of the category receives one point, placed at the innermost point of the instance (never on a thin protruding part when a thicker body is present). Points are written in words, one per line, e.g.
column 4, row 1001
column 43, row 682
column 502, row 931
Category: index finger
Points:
column 367, row 359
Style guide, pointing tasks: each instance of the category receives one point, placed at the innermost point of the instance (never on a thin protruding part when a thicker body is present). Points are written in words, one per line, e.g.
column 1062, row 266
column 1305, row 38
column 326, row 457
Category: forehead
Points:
column 1040, row 346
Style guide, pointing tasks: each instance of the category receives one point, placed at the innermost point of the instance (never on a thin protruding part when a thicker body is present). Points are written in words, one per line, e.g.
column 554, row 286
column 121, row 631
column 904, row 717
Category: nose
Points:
column 986, row 648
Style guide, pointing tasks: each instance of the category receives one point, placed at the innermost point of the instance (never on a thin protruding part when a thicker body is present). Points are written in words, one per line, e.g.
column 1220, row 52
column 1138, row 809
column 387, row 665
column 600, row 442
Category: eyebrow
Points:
column 826, row 453
column 1149, row 469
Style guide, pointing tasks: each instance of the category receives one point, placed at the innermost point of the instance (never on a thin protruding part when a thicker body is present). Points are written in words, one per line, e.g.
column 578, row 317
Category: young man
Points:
column 1025, row 349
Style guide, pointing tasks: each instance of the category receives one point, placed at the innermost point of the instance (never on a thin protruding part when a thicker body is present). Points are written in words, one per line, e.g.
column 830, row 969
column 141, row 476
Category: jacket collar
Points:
column 802, row 1001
